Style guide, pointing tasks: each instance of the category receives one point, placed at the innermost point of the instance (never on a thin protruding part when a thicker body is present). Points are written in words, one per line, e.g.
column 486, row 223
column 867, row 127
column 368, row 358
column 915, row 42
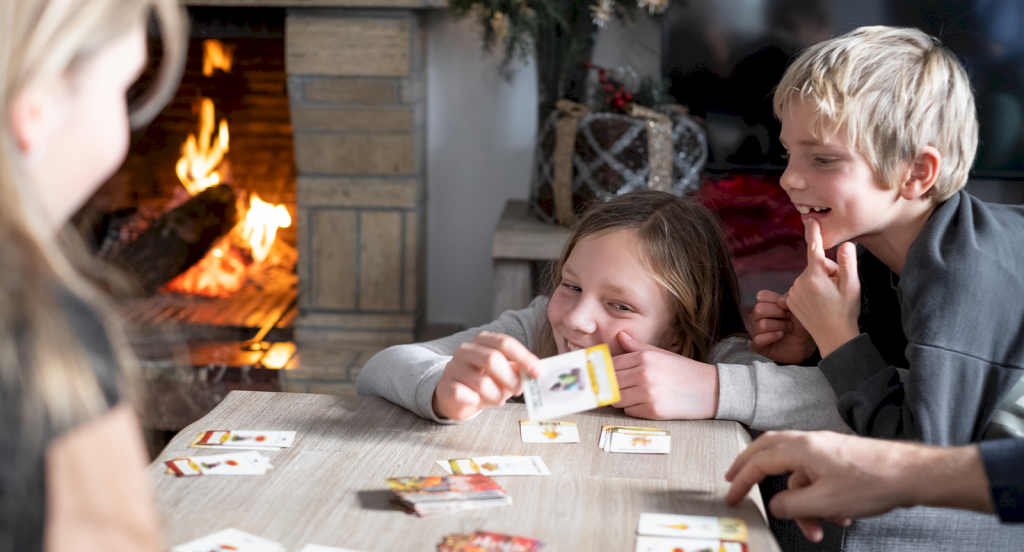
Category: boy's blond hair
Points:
column 897, row 90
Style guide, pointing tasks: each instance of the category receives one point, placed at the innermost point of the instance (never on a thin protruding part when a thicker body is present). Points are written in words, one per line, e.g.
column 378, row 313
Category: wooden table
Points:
column 519, row 240
column 328, row 488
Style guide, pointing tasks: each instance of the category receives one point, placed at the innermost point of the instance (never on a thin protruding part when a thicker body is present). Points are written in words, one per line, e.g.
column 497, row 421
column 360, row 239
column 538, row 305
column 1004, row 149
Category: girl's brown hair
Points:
column 684, row 249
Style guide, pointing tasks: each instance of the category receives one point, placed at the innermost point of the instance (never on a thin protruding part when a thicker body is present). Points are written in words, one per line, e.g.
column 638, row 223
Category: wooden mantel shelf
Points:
column 404, row 4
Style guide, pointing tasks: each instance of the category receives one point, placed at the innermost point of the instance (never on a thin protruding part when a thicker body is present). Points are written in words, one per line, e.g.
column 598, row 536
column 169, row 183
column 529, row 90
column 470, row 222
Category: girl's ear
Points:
column 922, row 174
column 34, row 114
column 673, row 341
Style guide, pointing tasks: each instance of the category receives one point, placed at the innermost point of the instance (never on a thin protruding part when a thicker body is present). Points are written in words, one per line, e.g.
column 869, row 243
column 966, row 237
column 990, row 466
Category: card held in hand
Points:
column 571, row 382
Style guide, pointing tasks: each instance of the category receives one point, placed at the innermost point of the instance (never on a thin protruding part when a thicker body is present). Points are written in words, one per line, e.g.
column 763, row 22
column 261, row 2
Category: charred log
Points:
column 179, row 239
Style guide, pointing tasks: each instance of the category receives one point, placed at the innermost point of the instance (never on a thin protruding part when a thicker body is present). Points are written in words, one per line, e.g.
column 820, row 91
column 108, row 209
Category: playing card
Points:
column 253, row 440
column 497, row 465
column 230, row 539
column 571, row 382
column 486, row 541
column 638, row 442
column 548, row 432
column 607, row 430
column 322, row 548
column 705, row 527
column 668, row 544
column 236, row 463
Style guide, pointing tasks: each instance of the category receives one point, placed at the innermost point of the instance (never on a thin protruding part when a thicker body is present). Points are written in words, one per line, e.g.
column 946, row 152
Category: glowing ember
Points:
column 261, row 224
column 219, row 274
column 199, row 159
column 216, row 56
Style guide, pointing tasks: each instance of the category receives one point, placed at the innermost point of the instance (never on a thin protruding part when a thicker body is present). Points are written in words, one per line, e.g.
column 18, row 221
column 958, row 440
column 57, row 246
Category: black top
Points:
column 1004, row 466
column 22, row 468
column 959, row 301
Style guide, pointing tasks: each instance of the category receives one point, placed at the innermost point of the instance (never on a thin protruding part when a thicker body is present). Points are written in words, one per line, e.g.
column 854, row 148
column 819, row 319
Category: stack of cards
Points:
column 425, row 496
column 230, row 539
column 670, row 533
column 548, row 432
column 496, row 465
column 571, row 382
column 251, row 440
column 639, row 440
column 485, row 541
column 235, row 463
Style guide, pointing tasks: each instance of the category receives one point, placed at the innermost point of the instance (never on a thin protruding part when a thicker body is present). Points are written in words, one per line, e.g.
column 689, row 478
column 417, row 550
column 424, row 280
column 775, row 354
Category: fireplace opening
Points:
column 202, row 216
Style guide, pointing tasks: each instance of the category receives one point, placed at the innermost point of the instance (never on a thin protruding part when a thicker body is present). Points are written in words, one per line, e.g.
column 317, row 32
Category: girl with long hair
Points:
column 72, row 457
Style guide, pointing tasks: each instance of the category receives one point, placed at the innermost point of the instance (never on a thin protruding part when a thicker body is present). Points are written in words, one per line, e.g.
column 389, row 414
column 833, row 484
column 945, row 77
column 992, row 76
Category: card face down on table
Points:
column 571, row 382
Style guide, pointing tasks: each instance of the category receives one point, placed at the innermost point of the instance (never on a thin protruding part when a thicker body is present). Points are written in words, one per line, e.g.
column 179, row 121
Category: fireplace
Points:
column 324, row 110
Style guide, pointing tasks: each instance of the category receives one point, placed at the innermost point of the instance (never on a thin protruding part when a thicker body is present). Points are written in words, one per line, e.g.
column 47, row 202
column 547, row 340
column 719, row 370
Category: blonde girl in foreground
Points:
column 72, row 457
column 649, row 274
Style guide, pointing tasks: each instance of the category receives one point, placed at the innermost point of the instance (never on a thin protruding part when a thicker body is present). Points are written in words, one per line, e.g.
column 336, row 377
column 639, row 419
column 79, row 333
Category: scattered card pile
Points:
column 496, row 465
column 251, row 440
column 426, row 496
column 670, row 533
column 485, row 541
column 548, row 432
column 571, row 382
column 230, row 539
column 638, row 440
column 235, row 463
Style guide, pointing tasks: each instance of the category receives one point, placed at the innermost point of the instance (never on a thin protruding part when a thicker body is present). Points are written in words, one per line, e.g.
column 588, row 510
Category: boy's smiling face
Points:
column 833, row 183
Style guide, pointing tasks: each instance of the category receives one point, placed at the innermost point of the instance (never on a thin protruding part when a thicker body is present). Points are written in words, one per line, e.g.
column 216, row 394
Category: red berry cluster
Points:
column 615, row 95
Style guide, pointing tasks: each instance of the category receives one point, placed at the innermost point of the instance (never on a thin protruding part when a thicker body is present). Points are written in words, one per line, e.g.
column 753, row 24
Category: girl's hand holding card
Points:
column 660, row 385
column 483, row 372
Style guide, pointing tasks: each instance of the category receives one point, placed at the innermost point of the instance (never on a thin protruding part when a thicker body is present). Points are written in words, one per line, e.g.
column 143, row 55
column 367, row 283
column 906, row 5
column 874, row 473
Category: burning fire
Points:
column 261, row 224
column 239, row 255
column 216, row 56
column 197, row 168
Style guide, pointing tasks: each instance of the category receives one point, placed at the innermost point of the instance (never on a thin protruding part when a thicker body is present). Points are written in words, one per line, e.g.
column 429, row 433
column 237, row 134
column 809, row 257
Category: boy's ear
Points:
column 922, row 174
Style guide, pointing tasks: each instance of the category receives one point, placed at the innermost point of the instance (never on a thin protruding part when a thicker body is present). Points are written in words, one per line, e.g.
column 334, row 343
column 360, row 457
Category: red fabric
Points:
column 756, row 211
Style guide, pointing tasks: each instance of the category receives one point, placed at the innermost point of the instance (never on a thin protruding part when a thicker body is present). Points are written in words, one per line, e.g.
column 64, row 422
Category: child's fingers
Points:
column 487, row 360
column 771, row 325
column 627, row 378
column 768, row 310
column 764, row 339
column 767, row 296
column 848, row 280
column 511, row 348
column 485, row 386
column 815, row 248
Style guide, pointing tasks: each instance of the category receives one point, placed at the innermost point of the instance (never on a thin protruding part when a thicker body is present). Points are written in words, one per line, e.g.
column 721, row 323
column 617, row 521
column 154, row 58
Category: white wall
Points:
column 480, row 139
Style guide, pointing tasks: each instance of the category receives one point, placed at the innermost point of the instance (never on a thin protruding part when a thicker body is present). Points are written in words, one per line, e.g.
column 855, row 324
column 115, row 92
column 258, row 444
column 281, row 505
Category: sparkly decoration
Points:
column 653, row 6
column 602, row 12
column 500, row 25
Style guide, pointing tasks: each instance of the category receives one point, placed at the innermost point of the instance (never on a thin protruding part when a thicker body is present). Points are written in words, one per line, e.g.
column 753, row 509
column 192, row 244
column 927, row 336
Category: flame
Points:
column 216, row 56
column 261, row 224
column 199, row 160
column 219, row 274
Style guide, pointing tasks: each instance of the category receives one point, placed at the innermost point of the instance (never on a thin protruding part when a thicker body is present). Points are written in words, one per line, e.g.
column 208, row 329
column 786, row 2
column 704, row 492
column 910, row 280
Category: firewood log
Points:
column 179, row 239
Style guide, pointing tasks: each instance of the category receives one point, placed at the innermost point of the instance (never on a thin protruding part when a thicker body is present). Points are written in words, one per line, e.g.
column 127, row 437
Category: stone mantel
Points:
column 402, row 4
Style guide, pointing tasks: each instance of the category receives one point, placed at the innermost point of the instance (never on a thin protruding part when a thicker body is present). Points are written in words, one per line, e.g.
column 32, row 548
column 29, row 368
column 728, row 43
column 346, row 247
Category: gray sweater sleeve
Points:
column 762, row 395
column 408, row 374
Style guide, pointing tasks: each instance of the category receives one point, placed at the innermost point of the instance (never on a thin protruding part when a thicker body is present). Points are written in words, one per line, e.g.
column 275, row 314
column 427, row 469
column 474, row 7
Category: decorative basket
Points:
column 583, row 156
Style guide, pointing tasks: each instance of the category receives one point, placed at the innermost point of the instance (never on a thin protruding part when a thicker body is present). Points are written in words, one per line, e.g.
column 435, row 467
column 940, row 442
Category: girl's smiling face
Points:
column 606, row 289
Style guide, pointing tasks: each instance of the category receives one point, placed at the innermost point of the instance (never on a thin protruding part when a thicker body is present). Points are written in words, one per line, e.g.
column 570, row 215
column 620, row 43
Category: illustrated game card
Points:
column 571, row 382
column 668, row 544
column 606, row 432
column 254, row 440
column 486, row 541
column 322, row 548
column 230, row 539
column 548, row 432
column 639, row 442
column 697, row 527
column 236, row 463
column 496, row 465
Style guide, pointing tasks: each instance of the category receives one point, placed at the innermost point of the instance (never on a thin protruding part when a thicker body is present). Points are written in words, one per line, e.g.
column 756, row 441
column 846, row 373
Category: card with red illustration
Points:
column 230, row 539
column 487, row 541
column 236, row 463
column 245, row 439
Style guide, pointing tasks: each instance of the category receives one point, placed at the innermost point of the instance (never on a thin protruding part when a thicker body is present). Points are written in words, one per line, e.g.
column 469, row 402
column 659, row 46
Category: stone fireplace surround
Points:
column 357, row 94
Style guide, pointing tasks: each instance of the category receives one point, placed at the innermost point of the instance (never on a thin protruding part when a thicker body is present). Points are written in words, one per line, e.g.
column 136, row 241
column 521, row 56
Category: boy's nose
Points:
column 790, row 180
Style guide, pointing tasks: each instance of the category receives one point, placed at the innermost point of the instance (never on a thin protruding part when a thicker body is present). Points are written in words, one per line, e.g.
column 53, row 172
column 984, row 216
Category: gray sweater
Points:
column 752, row 390
column 959, row 298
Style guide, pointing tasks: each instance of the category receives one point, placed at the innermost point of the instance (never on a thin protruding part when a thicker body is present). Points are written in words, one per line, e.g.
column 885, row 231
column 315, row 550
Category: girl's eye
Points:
column 572, row 288
column 621, row 307
column 824, row 161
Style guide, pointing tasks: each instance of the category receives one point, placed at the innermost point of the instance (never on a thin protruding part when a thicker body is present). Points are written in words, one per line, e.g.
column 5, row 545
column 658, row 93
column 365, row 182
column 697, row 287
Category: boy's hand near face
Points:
column 483, row 372
column 826, row 297
column 776, row 333
column 661, row 385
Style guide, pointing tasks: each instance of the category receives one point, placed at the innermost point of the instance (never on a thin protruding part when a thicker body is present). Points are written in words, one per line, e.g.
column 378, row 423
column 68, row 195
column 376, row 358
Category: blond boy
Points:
column 922, row 334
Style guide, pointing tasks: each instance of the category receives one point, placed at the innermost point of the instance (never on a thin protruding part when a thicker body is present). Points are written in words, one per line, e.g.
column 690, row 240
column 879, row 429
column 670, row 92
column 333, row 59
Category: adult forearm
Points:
column 946, row 477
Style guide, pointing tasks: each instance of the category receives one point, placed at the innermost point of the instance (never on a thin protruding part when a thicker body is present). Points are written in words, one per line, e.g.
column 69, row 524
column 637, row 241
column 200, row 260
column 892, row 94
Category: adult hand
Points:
column 841, row 477
column 826, row 296
column 483, row 372
column 660, row 385
column 776, row 333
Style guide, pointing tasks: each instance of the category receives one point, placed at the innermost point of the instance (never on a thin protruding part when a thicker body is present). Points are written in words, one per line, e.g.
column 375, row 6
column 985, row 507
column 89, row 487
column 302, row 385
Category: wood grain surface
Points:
column 329, row 488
